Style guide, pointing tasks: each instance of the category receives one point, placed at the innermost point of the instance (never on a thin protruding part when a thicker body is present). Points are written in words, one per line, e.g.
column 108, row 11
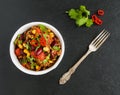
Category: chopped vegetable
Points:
column 97, row 20
column 38, row 48
column 56, row 48
column 18, row 52
column 81, row 16
column 34, row 43
column 89, row 23
column 41, row 56
column 42, row 41
column 38, row 31
column 100, row 12
column 42, row 27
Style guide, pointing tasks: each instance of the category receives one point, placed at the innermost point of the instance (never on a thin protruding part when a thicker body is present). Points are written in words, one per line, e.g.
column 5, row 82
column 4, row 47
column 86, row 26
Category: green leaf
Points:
column 27, row 45
column 56, row 48
column 19, row 41
column 89, row 23
column 30, row 59
column 72, row 13
column 83, row 9
column 18, row 36
column 79, row 15
column 37, row 47
column 45, row 61
column 32, row 65
column 43, row 28
column 81, row 21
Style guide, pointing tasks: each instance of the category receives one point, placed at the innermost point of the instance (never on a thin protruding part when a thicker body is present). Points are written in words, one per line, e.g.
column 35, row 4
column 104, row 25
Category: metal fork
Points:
column 94, row 45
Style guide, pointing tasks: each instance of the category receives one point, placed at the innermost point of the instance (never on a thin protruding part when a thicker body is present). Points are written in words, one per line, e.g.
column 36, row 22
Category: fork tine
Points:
column 105, row 38
column 97, row 36
column 101, row 38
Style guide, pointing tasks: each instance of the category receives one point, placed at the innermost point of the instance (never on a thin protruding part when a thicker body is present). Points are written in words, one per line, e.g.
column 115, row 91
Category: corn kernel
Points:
column 33, row 31
column 49, row 30
column 37, row 68
column 24, row 45
column 46, row 49
column 50, row 61
column 20, row 46
column 52, row 35
column 26, row 52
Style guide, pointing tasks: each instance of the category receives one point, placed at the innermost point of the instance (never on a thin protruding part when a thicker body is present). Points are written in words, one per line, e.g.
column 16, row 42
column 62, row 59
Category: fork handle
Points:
column 68, row 74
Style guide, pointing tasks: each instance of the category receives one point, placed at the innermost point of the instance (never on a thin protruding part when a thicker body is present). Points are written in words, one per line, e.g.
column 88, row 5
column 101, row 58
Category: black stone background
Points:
column 97, row 75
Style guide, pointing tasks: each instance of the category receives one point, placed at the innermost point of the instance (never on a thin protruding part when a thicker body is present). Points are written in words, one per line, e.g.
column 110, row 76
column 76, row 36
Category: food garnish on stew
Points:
column 38, row 48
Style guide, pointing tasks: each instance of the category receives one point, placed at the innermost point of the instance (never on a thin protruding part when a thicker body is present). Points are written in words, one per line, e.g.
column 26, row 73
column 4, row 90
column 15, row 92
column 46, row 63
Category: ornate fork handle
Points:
column 68, row 74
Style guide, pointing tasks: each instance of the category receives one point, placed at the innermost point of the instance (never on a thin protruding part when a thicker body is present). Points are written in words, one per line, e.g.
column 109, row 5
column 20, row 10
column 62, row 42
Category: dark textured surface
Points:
column 97, row 75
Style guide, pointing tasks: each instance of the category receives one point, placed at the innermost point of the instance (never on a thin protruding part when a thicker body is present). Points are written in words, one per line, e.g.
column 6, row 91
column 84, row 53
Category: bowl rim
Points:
column 22, row 29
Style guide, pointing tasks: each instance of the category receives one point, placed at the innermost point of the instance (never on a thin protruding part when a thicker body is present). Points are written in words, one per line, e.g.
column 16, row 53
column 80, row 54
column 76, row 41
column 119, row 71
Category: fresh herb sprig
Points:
column 81, row 16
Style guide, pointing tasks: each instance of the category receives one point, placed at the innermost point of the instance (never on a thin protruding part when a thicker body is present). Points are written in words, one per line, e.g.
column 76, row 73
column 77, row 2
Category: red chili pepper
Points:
column 100, row 12
column 34, row 43
column 96, row 20
column 94, row 17
column 42, row 41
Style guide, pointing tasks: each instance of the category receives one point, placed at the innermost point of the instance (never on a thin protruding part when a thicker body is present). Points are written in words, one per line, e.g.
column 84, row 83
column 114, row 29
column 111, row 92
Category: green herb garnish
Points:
column 43, row 28
column 81, row 16
column 56, row 48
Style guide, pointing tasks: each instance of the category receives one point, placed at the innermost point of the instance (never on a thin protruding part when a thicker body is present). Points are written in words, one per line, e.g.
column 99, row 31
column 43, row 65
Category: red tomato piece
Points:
column 33, row 54
column 38, row 31
column 34, row 43
column 42, row 41
column 41, row 56
column 18, row 52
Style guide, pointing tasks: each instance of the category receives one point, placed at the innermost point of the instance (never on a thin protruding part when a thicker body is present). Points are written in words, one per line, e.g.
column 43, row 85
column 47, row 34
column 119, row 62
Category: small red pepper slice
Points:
column 100, row 12
column 34, row 43
column 96, row 20
column 94, row 17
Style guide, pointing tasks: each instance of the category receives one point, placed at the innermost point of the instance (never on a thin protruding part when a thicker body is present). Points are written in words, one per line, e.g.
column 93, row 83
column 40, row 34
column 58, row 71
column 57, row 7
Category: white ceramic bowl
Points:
column 23, row 29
